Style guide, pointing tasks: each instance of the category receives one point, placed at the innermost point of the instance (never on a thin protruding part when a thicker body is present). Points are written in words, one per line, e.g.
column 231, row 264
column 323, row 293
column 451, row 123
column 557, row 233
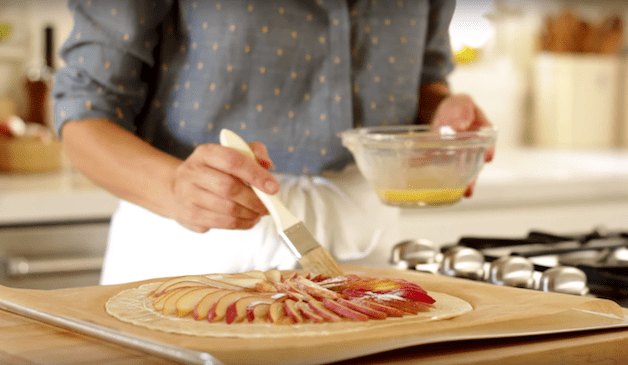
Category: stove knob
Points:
column 463, row 262
column 417, row 254
column 619, row 257
column 514, row 271
column 564, row 279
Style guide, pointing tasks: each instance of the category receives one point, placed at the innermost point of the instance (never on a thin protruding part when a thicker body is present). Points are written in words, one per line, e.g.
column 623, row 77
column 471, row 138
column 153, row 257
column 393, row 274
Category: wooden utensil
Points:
column 310, row 254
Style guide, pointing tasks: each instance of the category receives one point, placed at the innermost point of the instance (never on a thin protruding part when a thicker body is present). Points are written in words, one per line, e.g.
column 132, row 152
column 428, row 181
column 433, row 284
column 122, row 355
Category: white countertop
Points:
column 515, row 177
column 66, row 195
column 531, row 176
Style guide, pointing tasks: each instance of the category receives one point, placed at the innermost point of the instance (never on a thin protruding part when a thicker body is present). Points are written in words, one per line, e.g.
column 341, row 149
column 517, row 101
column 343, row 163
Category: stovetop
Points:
column 592, row 263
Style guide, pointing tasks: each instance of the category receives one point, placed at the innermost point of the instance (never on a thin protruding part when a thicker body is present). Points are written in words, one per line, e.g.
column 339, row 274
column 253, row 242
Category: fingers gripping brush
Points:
column 310, row 254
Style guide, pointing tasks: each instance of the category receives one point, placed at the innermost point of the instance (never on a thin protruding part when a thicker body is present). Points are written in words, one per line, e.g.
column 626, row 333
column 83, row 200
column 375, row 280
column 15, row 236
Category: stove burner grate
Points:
column 591, row 263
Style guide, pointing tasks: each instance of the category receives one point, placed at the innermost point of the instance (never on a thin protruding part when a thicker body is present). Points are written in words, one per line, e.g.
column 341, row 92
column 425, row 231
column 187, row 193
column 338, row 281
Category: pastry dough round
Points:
column 135, row 306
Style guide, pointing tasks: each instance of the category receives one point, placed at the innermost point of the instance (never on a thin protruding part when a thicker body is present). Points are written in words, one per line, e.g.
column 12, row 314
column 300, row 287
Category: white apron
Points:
column 144, row 245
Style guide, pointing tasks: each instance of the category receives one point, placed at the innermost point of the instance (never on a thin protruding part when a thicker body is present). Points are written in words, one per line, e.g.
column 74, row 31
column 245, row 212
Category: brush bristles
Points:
column 319, row 261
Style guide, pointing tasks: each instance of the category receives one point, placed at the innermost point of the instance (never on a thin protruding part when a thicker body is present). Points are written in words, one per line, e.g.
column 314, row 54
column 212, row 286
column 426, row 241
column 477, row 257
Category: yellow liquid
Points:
column 421, row 197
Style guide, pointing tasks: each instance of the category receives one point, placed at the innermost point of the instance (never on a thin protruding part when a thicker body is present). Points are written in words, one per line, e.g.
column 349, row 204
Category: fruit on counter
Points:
column 288, row 298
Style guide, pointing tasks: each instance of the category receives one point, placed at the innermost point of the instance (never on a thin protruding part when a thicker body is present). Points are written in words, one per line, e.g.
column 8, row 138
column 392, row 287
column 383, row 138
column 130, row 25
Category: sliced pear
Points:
column 309, row 313
column 390, row 311
column 265, row 287
column 158, row 303
column 293, row 312
column 256, row 274
column 276, row 312
column 219, row 310
column 195, row 278
column 290, row 275
column 369, row 311
column 184, row 284
column 314, row 289
column 243, row 281
column 274, row 276
column 287, row 297
column 407, row 306
column 294, row 288
column 238, row 310
column 207, row 303
column 258, row 312
column 170, row 304
column 318, row 277
column 320, row 309
column 344, row 311
column 189, row 301
column 284, row 288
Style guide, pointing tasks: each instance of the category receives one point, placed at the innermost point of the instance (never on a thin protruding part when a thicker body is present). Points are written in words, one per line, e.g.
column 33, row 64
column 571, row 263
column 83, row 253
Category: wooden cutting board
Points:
column 498, row 312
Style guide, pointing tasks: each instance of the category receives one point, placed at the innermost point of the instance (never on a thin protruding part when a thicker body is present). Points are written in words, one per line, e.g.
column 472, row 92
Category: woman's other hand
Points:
column 462, row 114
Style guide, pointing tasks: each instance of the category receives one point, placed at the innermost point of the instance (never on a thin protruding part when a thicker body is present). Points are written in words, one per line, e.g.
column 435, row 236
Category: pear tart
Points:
column 279, row 304
column 288, row 298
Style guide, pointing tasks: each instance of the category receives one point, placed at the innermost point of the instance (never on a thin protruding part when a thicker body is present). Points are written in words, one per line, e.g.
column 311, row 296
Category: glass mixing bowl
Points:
column 416, row 165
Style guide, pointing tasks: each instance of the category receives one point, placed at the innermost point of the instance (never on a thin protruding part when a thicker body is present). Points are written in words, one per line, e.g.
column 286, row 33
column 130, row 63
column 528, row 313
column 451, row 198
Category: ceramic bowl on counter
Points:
column 417, row 166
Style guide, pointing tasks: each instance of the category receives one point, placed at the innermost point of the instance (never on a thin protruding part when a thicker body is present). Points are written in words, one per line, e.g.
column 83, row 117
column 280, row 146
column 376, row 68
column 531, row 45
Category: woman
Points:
column 148, row 86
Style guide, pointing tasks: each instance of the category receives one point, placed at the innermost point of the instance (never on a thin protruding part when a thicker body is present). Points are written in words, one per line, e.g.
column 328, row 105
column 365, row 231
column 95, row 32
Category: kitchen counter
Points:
column 66, row 195
column 52, row 345
column 521, row 189
column 543, row 176
column 518, row 177
column 554, row 190
column 518, row 326
column 53, row 229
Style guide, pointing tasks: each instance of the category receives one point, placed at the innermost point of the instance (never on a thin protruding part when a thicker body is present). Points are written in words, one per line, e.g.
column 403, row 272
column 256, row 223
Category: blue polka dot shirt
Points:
column 291, row 74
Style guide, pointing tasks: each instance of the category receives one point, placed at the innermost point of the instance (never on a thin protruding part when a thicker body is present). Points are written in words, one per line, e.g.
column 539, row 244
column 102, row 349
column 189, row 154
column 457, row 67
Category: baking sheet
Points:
column 499, row 312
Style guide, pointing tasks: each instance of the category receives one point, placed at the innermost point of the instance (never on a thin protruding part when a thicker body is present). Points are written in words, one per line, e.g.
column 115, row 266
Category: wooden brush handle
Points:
column 281, row 215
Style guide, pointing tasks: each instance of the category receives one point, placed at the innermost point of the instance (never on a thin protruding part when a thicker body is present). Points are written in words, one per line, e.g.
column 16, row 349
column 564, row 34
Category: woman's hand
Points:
column 211, row 188
column 462, row 114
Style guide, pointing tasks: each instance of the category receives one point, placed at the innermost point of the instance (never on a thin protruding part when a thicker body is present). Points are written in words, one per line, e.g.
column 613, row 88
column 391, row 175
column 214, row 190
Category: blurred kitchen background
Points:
column 551, row 75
